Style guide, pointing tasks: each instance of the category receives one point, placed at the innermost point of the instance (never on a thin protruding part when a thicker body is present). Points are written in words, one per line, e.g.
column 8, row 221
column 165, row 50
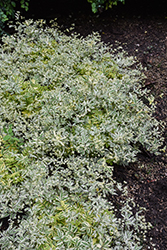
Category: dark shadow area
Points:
column 47, row 9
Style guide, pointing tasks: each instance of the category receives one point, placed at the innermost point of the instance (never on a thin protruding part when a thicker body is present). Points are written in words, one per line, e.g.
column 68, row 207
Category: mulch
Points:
column 141, row 28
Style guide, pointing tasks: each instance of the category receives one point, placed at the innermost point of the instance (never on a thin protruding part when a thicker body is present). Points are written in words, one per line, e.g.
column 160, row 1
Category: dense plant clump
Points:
column 70, row 107
column 98, row 5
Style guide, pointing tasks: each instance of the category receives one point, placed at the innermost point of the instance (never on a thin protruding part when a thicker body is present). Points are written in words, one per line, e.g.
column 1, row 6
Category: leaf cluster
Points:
column 7, row 10
column 99, row 5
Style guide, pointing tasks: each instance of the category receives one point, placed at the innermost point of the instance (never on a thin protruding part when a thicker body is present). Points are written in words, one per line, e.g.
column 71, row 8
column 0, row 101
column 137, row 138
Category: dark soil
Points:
column 141, row 28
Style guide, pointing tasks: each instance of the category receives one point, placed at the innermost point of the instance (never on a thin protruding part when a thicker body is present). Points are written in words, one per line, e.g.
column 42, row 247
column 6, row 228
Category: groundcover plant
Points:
column 70, row 107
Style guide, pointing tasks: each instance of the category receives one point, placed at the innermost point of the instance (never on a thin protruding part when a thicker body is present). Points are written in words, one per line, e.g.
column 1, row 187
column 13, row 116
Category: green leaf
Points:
column 7, row 137
column 13, row 4
column 10, row 131
column 94, row 8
